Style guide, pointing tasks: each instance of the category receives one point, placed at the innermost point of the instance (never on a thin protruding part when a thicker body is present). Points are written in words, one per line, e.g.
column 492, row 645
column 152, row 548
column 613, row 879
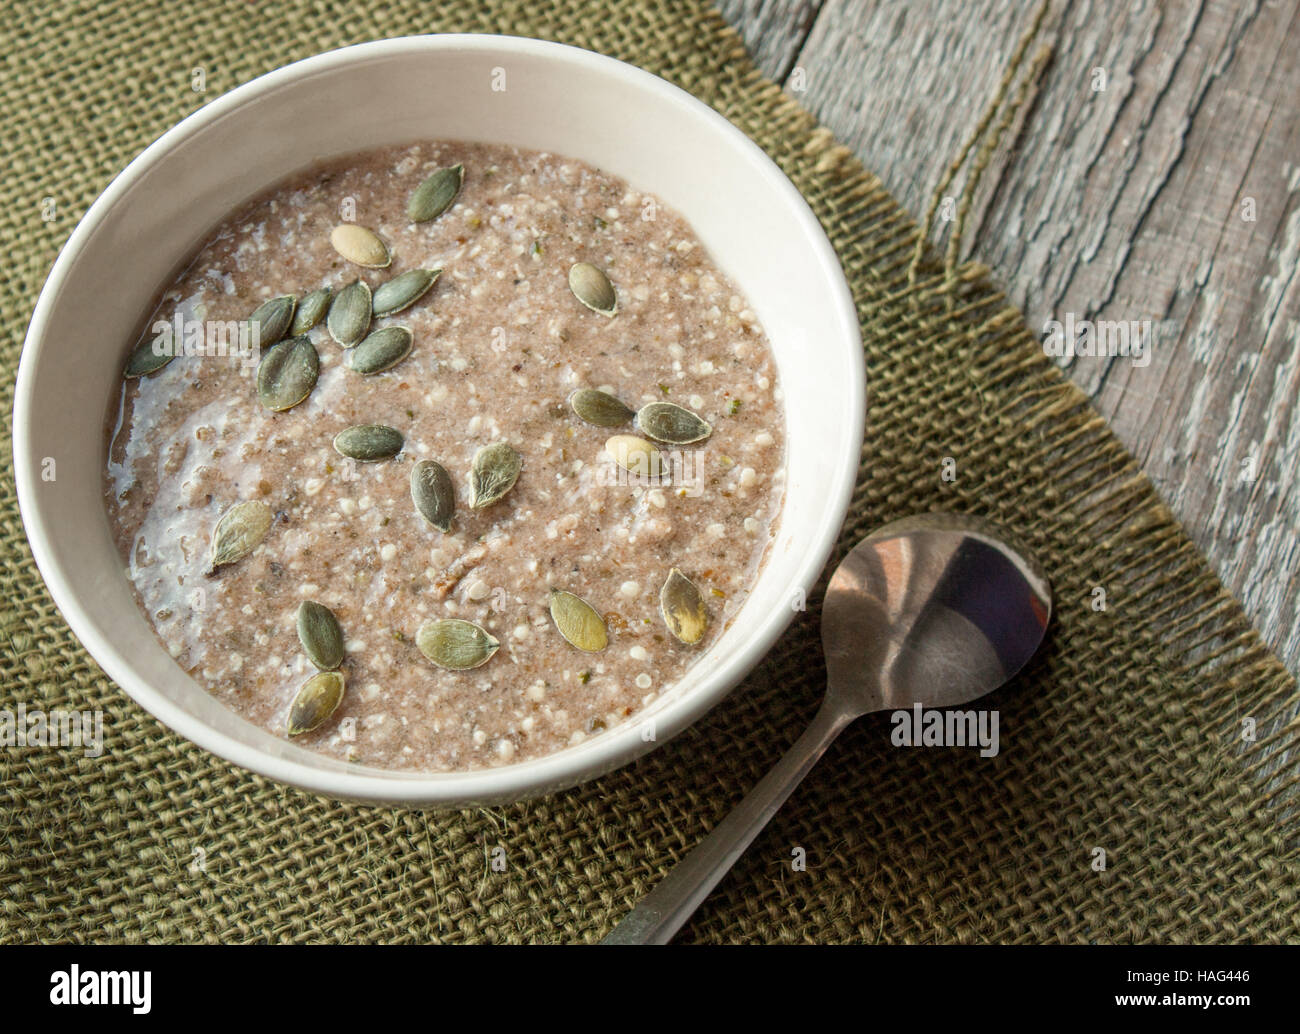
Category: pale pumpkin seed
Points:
column 666, row 422
column 599, row 408
column 578, row 621
column 360, row 246
column 287, row 373
column 311, row 310
column 381, row 350
column 403, row 290
column 239, row 531
column 349, row 316
column 455, row 644
column 435, row 195
column 496, row 468
column 682, row 606
column 433, row 494
column 320, row 635
column 319, row 698
column 369, row 442
column 144, row 361
column 592, row 287
column 272, row 318
column 637, row 456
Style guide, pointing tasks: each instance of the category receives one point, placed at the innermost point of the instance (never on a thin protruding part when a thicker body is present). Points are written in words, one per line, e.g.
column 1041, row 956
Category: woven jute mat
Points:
column 1124, row 737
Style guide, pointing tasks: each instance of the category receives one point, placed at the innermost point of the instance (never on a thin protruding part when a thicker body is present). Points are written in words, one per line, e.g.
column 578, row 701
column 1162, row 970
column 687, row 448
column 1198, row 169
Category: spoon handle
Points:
column 661, row 913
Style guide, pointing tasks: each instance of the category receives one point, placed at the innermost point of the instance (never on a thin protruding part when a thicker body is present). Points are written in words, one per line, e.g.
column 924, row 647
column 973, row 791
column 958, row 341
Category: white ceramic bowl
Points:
column 557, row 98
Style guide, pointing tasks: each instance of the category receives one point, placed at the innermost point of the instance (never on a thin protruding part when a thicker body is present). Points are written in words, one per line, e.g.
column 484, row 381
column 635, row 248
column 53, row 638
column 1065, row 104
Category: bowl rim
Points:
column 513, row 782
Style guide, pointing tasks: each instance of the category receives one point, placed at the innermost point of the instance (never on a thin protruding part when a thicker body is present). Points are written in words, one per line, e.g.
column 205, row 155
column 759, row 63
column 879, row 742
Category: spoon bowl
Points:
column 934, row 610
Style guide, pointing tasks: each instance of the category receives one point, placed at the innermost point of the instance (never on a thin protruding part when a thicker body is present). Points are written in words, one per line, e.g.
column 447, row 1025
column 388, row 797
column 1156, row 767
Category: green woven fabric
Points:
column 1124, row 735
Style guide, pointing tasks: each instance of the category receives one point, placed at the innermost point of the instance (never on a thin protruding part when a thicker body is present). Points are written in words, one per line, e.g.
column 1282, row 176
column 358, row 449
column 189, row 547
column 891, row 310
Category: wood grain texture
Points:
column 1128, row 199
column 774, row 30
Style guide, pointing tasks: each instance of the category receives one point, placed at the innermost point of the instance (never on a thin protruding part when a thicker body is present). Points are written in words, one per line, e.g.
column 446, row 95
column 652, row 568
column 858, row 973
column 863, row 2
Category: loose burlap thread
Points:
column 1123, row 737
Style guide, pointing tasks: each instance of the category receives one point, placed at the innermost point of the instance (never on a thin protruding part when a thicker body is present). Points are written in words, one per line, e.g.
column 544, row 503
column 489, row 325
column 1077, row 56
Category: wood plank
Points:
column 773, row 30
column 1118, row 204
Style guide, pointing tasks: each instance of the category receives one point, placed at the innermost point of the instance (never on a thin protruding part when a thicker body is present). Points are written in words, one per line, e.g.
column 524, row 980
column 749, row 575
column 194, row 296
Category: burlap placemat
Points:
column 1125, row 735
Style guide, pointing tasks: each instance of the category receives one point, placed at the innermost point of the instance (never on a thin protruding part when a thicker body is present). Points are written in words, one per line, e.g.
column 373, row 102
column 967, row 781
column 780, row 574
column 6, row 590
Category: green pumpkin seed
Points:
column 592, row 287
column 320, row 635
column 349, row 317
column 599, row 408
column 287, row 374
column 682, row 606
column 435, row 195
column 455, row 644
column 319, row 698
column 578, row 621
column 360, row 246
column 433, row 495
column 311, row 310
column 272, row 319
column 144, row 360
column 637, row 456
column 382, row 350
column 239, row 531
column 666, row 422
column 496, row 468
column 403, row 290
column 369, row 442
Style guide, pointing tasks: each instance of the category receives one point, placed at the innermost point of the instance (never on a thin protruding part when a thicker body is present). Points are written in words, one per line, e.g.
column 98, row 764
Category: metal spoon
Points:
column 934, row 610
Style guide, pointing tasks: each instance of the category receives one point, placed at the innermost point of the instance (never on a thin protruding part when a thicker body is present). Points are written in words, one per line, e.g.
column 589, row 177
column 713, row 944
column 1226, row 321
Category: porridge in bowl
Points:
column 446, row 456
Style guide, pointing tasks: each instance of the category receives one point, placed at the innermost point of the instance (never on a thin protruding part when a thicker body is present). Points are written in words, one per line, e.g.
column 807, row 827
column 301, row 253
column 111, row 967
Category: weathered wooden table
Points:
column 1152, row 175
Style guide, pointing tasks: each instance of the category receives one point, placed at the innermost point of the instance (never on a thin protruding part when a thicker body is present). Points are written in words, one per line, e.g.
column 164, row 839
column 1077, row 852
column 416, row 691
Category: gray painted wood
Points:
column 774, row 30
column 1128, row 202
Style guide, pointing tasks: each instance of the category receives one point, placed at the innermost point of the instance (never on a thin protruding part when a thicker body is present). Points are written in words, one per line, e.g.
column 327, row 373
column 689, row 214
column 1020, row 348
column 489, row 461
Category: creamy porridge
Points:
column 496, row 458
